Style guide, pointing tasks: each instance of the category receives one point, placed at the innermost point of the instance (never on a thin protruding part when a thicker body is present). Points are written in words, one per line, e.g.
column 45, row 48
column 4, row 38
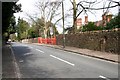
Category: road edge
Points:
column 17, row 70
column 83, row 54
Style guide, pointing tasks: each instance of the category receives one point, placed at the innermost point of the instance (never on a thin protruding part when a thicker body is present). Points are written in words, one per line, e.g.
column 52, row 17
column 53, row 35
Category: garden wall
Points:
column 107, row 41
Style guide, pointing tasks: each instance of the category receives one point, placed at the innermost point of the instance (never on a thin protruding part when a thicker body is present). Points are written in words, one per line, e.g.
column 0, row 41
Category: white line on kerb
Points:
column 39, row 50
column 62, row 60
column 104, row 77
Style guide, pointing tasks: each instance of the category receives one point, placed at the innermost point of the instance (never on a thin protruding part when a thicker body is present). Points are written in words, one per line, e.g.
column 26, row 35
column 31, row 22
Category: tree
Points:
column 22, row 29
column 74, row 15
column 31, row 32
column 89, row 27
column 8, row 8
column 48, row 11
column 11, row 29
column 49, row 14
column 51, row 29
column 38, row 28
column 114, row 23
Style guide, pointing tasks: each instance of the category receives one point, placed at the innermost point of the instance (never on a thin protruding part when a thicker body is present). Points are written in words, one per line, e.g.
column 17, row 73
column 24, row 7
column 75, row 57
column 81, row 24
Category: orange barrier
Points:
column 47, row 40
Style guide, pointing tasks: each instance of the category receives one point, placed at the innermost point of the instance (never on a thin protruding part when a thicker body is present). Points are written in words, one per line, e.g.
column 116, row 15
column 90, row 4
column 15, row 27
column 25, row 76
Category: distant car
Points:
column 9, row 41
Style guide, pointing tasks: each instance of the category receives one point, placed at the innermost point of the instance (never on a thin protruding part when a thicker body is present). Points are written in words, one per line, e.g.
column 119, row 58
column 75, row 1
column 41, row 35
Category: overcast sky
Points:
column 28, row 6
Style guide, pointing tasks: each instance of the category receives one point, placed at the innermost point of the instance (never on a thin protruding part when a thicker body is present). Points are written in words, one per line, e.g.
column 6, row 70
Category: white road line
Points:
column 39, row 50
column 25, row 45
column 21, row 61
column 62, row 60
column 27, row 54
column 31, row 47
column 104, row 77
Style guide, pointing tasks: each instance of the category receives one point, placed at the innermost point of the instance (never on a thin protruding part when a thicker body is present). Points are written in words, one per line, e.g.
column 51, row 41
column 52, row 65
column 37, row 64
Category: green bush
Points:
column 114, row 23
column 89, row 27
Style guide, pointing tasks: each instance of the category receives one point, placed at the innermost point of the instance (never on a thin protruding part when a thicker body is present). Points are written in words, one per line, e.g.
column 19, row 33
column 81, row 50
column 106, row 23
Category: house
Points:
column 86, row 20
column 79, row 22
column 106, row 17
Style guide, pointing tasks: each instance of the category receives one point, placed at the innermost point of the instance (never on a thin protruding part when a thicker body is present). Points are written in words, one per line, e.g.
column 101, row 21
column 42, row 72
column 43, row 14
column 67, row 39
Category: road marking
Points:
column 103, row 77
column 39, row 50
column 27, row 54
column 31, row 47
column 21, row 61
column 62, row 60
column 25, row 45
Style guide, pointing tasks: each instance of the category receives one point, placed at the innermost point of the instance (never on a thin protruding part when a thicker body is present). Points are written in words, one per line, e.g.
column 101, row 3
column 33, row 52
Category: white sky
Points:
column 28, row 6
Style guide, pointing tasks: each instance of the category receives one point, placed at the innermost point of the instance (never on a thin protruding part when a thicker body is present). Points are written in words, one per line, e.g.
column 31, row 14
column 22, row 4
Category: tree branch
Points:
column 101, row 8
column 79, row 13
column 115, row 2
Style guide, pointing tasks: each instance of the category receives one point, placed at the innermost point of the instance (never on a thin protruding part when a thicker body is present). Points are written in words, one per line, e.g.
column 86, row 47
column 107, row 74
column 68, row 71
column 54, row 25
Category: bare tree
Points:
column 48, row 10
column 37, row 23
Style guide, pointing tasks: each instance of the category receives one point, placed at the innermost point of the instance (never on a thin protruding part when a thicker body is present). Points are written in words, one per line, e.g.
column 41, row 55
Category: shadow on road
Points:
column 20, row 51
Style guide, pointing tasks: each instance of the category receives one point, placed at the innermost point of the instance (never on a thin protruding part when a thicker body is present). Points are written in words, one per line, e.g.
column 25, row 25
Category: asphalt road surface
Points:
column 35, row 61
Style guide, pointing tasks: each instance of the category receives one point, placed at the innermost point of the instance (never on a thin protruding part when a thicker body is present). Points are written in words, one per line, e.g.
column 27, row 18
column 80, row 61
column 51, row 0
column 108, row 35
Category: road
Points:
column 35, row 61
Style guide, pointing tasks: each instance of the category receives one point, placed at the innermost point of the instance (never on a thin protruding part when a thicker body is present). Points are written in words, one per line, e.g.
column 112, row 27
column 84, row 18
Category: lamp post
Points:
column 63, row 25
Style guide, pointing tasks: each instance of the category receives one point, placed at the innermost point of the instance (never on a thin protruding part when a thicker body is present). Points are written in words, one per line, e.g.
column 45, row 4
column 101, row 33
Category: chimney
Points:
column 109, row 17
column 79, row 23
column 103, row 17
column 86, row 19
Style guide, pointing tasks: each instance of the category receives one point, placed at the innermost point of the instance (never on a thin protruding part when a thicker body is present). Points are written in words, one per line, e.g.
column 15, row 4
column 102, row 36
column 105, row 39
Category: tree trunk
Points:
column 74, row 16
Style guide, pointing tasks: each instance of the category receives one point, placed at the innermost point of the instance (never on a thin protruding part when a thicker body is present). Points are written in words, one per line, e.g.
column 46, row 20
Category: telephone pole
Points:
column 63, row 25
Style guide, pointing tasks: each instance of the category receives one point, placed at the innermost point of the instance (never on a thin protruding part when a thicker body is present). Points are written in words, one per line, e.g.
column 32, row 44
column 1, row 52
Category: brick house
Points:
column 79, row 22
column 106, row 17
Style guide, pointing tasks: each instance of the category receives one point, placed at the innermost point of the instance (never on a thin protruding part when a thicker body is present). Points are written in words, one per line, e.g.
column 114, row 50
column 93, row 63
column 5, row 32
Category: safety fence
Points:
column 41, row 40
column 47, row 40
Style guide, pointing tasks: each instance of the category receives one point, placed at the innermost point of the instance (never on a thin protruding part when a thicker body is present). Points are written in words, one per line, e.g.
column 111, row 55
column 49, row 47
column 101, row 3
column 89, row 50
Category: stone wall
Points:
column 32, row 40
column 107, row 41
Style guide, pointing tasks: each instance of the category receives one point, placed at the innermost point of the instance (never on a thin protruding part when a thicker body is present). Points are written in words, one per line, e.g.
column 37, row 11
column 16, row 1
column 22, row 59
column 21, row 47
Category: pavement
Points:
column 8, row 63
column 97, row 54
column 0, row 61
